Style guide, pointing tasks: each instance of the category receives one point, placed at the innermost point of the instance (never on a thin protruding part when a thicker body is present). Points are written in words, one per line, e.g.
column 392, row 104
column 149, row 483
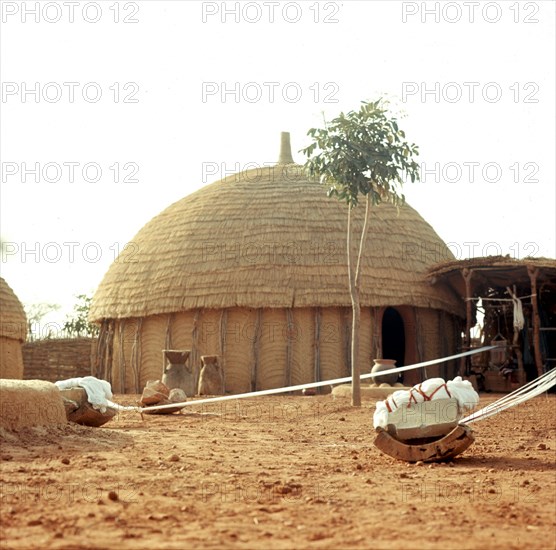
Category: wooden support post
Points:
column 519, row 354
column 374, row 332
column 379, row 333
column 223, row 336
column 420, row 347
column 444, row 348
column 168, row 341
column 121, row 354
column 109, row 352
column 194, row 355
column 516, row 348
column 316, row 345
column 533, row 274
column 256, row 349
column 101, row 370
column 289, row 346
column 136, row 355
column 467, row 275
column 346, row 339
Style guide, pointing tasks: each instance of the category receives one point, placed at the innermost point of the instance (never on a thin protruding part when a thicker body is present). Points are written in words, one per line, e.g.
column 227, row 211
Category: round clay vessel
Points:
column 384, row 364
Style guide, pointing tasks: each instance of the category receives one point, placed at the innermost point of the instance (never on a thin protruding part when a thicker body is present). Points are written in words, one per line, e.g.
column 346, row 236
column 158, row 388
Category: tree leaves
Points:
column 362, row 152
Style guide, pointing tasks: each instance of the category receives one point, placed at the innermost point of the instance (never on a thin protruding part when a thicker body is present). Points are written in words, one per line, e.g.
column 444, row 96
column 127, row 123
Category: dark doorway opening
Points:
column 393, row 336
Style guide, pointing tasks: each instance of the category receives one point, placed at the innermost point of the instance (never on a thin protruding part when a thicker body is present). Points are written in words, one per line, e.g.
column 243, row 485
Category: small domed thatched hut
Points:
column 13, row 331
column 253, row 268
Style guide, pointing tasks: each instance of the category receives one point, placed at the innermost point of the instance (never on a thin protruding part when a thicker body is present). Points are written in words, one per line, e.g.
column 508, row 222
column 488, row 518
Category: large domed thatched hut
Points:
column 253, row 268
column 13, row 332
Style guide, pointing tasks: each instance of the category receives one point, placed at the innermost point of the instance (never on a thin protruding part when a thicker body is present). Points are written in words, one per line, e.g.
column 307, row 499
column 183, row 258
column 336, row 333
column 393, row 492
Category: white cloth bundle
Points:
column 519, row 319
column 429, row 390
column 98, row 391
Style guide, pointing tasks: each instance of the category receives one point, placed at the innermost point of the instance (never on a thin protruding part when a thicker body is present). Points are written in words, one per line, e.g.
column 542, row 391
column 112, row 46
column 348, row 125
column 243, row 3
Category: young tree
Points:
column 35, row 314
column 78, row 325
column 362, row 152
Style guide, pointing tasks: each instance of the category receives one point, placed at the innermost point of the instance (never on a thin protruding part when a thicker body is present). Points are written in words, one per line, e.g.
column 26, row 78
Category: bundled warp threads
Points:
column 429, row 390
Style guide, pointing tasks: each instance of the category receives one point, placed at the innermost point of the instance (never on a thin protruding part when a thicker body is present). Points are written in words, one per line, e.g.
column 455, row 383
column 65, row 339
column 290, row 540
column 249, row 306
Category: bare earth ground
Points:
column 276, row 472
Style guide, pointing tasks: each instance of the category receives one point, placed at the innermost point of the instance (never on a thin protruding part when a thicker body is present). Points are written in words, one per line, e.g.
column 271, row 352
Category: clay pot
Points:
column 211, row 377
column 381, row 365
column 178, row 374
column 177, row 356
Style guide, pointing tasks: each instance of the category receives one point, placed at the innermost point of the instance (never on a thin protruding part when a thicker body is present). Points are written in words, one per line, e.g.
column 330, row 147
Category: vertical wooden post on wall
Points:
column 379, row 316
column 374, row 337
column 419, row 343
column 193, row 358
column 346, row 339
column 168, row 339
column 316, row 344
column 109, row 352
column 442, row 324
column 256, row 343
column 121, row 358
column 533, row 274
column 289, row 346
column 223, row 335
column 101, row 370
column 467, row 275
column 515, row 344
column 136, row 355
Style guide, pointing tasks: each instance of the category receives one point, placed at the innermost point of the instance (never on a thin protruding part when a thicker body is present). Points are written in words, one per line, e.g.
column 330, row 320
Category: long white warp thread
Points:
column 302, row 386
column 522, row 394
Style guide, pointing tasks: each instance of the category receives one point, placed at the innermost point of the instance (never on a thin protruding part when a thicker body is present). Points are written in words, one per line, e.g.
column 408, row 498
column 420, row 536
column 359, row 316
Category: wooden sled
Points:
column 427, row 432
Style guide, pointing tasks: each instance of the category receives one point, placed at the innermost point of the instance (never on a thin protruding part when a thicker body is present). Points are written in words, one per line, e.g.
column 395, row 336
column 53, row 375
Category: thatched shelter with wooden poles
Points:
column 13, row 332
column 253, row 268
column 518, row 299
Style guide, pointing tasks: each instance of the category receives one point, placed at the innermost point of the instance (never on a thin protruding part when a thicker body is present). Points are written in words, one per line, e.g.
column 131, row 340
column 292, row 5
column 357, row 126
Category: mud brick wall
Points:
column 58, row 359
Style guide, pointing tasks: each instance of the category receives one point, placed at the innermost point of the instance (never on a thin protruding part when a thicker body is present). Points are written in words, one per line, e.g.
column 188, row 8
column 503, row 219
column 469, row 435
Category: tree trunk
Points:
column 355, row 370
column 356, row 315
column 354, row 288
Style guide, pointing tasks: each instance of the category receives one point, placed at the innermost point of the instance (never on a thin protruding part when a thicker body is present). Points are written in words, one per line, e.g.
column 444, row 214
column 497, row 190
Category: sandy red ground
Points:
column 276, row 472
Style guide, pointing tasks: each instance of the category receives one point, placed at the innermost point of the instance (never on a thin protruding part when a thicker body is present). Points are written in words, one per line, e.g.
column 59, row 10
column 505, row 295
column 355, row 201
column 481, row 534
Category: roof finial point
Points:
column 285, row 149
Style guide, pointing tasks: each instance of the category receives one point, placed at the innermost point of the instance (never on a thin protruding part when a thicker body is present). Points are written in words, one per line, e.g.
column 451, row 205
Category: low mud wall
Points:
column 58, row 359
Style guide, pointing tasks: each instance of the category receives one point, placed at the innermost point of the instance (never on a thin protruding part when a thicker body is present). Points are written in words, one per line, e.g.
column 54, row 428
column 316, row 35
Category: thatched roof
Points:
column 493, row 271
column 270, row 238
column 13, row 322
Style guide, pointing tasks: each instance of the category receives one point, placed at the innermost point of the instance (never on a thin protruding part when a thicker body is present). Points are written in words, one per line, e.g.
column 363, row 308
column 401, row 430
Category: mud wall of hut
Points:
column 59, row 359
column 11, row 358
column 267, row 348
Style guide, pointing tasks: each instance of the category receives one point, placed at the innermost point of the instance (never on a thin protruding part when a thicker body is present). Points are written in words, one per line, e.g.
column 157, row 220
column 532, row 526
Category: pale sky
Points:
column 156, row 99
